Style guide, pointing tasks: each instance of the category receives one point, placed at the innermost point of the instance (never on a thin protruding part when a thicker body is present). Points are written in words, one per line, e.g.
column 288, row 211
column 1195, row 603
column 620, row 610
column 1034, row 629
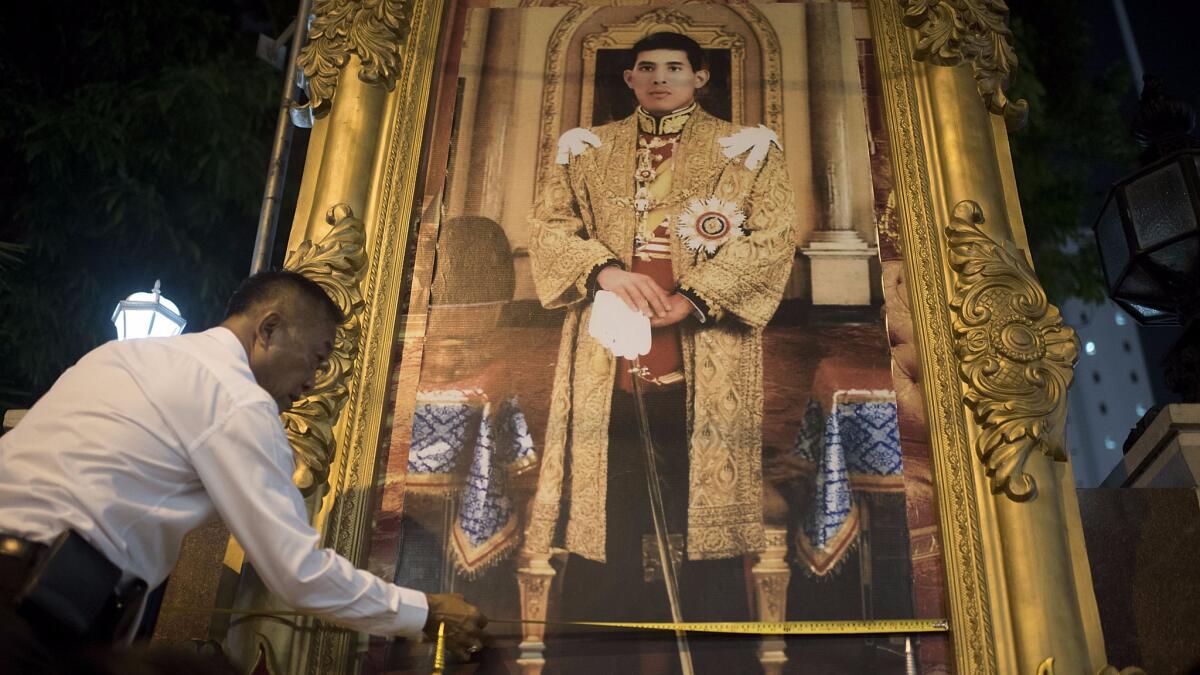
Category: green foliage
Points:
column 133, row 146
column 1076, row 136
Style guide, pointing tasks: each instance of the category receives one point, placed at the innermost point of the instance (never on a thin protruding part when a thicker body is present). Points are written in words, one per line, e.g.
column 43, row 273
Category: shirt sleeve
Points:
column 245, row 466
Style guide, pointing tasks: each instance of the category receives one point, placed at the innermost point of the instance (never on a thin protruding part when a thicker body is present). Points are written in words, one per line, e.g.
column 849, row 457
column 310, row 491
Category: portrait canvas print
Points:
column 657, row 362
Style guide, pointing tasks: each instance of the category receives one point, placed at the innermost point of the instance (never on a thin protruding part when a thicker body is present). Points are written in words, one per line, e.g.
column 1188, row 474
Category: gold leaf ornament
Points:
column 337, row 263
column 1015, row 354
column 373, row 30
column 952, row 31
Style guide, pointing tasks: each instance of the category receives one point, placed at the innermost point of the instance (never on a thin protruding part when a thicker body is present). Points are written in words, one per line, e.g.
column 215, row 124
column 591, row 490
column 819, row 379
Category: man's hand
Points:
column 639, row 292
column 678, row 309
column 464, row 623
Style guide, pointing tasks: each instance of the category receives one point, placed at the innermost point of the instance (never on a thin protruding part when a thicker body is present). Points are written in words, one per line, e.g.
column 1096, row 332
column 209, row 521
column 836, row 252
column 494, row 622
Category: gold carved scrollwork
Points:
column 1047, row 668
column 374, row 30
column 337, row 262
column 951, row 31
column 1015, row 354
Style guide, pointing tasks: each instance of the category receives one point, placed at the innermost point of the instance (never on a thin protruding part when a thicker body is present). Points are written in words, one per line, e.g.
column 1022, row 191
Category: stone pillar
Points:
column 474, row 46
column 839, row 254
column 485, row 168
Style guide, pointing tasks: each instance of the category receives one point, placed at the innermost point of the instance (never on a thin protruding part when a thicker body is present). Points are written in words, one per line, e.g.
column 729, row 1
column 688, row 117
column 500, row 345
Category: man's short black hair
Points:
column 668, row 40
column 269, row 286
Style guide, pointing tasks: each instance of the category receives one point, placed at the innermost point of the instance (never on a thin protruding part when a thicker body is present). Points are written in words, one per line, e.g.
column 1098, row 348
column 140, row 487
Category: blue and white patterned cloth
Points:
column 855, row 446
column 462, row 446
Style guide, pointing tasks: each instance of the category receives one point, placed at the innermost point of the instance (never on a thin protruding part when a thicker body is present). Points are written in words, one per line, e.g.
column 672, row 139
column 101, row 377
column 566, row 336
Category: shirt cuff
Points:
column 412, row 614
column 593, row 283
column 699, row 307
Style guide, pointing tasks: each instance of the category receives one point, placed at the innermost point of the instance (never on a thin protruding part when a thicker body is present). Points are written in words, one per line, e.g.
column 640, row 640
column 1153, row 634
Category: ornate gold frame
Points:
column 995, row 358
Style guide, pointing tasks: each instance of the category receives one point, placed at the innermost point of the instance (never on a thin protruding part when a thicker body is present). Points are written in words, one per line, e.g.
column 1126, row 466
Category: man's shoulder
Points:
column 215, row 354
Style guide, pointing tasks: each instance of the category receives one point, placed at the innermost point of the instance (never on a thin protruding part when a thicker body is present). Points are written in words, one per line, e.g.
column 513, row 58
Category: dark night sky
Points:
column 1167, row 34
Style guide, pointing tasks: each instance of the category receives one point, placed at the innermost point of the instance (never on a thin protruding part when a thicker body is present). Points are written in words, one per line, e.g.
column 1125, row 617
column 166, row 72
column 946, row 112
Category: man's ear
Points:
column 702, row 77
column 629, row 79
column 268, row 327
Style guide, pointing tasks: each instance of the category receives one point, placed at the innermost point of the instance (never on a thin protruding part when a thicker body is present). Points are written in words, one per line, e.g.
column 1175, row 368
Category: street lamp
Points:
column 1149, row 238
column 1149, row 232
column 147, row 315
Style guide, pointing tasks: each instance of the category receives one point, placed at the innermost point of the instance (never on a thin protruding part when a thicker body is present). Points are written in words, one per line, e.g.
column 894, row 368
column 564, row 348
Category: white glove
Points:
column 621, row 330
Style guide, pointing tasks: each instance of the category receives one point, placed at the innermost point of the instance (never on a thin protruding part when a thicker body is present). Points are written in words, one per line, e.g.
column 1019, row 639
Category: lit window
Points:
column 1119, row 318
column 1090, row 348
column 1140, row 409
column 1110, row 443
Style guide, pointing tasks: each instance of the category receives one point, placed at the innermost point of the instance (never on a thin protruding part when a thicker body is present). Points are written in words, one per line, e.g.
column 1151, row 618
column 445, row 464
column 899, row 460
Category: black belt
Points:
column 68, row 590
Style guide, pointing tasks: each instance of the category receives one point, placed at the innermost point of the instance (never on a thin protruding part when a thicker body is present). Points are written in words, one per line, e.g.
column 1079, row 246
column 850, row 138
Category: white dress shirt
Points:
column 144, row 440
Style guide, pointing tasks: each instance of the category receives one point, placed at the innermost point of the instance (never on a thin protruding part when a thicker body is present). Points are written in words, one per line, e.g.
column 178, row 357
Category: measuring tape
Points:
column 848, row 627
column 874, row 627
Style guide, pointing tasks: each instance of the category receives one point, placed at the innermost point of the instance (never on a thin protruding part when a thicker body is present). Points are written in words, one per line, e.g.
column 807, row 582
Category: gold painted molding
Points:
column 961, row 513
column 1015, row 354
column 976, row 31
column 373, row 30
column 391, row 211
column 337, row 263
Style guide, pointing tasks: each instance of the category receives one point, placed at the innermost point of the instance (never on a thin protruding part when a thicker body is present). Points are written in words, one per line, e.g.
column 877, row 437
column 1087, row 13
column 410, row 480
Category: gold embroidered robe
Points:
column 583, row 217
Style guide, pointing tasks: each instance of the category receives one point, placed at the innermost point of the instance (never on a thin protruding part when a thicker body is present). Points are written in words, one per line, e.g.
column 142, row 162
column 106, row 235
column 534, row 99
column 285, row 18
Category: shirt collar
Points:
column 230, row 342
column 671, row 123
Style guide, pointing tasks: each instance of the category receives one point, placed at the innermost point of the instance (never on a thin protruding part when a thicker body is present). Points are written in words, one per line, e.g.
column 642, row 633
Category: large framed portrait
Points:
column 675, row 313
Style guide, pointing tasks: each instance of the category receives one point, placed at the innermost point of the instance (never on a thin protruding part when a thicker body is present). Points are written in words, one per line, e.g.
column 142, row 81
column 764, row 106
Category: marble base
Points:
column 840, row 267
column 1166, row 455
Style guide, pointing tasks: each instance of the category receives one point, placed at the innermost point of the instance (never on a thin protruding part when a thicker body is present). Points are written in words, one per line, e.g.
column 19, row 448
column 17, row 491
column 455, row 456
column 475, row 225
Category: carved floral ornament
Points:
column 373, row 30
column 337, row 263
column 1015, row 355
column 976, row 31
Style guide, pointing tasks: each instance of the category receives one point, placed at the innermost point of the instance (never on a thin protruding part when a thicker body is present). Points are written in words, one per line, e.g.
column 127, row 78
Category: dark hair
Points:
column 266, row 287
column 674, row 41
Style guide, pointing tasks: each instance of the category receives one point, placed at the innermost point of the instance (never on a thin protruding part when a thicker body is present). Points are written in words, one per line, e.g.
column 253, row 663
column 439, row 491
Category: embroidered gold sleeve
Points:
column 747, row 275
column 560, row 251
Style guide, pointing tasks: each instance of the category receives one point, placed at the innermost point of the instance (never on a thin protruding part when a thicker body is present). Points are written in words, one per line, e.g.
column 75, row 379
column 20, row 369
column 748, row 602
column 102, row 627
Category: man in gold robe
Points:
column 689, row 220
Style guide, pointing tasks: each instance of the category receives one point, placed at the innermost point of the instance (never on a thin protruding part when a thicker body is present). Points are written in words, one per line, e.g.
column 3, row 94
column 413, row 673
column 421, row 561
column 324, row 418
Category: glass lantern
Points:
column 147, row 315
column 1149, row 239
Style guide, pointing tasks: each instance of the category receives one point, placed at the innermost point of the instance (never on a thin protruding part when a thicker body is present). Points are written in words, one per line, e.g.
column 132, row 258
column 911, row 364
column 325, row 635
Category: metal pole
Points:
column 658, row 515
column 1131, row 50
column 268, row 216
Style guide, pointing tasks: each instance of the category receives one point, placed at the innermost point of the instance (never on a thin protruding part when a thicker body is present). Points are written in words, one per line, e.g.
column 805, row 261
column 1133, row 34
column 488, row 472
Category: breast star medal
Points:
column 708, row 223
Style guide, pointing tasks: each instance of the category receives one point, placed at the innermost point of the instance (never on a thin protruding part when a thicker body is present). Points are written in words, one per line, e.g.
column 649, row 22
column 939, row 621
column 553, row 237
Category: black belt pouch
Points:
column 69, row 587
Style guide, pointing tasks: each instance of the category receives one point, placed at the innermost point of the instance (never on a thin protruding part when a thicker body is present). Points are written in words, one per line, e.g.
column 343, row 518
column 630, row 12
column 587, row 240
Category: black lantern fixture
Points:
column 1149, row 229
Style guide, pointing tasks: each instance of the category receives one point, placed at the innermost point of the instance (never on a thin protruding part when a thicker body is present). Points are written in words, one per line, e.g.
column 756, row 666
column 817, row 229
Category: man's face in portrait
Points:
column 664, row 80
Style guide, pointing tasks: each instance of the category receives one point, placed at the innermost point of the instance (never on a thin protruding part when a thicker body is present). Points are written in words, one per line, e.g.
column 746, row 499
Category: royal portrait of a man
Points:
column 684, row 179
column 689, row 220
